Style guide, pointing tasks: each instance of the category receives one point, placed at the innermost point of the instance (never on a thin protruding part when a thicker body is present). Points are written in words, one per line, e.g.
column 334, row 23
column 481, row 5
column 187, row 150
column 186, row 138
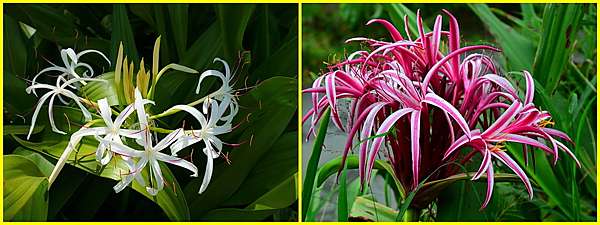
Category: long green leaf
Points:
column 561, row 23
column 342, row 208
column 233, row 19
column 24, row 190
column 122, row 32
column 518, row 49
column 313, row 163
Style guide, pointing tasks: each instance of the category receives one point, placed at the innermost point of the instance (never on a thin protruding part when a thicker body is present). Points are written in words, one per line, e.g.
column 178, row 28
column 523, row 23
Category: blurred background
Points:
column 532, row 37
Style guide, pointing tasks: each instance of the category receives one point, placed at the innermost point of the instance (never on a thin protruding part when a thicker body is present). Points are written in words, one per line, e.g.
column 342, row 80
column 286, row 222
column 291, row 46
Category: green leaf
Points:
column 122, row 32
column 233, row 20
column 518, row 49
column 179, row 24
column 21, row 129
column 276, row 166
column 462, row 200
column 281, row 196
column 15, row 47
column 55, row 24
column 366, row 208
column 200, row 55
column 42, row 163
column 271, row 106
column 561, row 23
column 332, row 166
column 97, row 90
column 283, row 62
column 313, row 163
column 25, row 190
column 342, row 208
column 544, row 176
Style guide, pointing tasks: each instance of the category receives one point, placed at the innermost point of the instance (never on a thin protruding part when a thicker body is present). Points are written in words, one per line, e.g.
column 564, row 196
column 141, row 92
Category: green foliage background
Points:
column 259, row 40
column 556, row 42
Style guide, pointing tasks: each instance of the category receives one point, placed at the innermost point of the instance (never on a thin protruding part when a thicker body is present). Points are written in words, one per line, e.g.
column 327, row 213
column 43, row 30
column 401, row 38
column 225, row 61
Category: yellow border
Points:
column 300, row 180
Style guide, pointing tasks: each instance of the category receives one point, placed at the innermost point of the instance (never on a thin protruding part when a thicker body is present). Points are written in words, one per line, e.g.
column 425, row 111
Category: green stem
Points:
column 411, row 215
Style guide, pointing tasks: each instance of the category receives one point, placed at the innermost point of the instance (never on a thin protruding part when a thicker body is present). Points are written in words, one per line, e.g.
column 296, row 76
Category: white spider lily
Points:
column 151, row 154
column 58, row 90
column 112, row 132
column 224, row 94
column 207, row 133
column 71, row 61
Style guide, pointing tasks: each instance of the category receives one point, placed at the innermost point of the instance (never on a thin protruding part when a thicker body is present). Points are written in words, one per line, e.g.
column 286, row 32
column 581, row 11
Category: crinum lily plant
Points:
column 426, row 101
column 133, row 139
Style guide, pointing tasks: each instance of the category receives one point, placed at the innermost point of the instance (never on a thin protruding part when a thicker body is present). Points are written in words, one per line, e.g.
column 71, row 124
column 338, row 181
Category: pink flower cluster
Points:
column 426, row 102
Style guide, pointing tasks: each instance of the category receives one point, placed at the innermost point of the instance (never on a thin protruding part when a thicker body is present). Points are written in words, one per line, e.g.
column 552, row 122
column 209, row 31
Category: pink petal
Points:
column 503, row 121
column 393, row 31
column 515, row 168
column 439, row 102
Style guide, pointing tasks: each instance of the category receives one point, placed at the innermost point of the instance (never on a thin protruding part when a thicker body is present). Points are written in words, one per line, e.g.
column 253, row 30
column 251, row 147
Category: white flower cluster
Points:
column 117, row 138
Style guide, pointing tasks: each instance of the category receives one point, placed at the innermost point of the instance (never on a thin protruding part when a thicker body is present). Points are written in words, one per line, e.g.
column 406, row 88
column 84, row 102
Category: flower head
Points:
column 413, row 96
column 59, row 91
column 150, row 156
column 71, row 63
column 224, row 95
column 208, row 133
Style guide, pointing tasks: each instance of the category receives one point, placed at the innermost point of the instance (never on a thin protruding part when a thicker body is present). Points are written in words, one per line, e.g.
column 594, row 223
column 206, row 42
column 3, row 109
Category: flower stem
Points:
column 411, row 215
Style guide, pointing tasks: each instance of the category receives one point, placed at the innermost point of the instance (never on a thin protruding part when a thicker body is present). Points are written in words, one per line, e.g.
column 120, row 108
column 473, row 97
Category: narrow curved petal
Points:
column 123, row 116
column 530, row 87
column 439, row 102
column 503, row 121
column 158, row 178
column 385, row 127
column 183, row 142
column 490, row 185
column 516, row 169
column 168, row 140
column 37, row 111
column 51, row 116
column 415, row 125
column 178, row 162
column 73, row 141
column 105, row 112
column 393, row 31
column 207, row 174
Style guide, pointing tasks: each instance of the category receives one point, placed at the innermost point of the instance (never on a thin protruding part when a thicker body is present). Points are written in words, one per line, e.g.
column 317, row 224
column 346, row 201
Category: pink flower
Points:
column 416, row 96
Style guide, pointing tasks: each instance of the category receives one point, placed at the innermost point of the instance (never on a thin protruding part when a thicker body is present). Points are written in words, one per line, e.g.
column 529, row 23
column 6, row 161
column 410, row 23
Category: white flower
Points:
column 71, row 61
column 151, row 154
column 112, row 132
column 209, row 129
column 224, row 94
column 58, row 90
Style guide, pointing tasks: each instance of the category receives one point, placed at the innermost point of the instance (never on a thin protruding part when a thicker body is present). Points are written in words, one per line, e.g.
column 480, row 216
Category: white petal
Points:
column 178, row 162
column 51, row 116
column 123, row 115
column 193, row 111
column 207, row 175
column 37, row 111
column 169, row 139
column 93, row 51
column 211, row 73
column 120, row 148
column 158, row 178
column 105, row 112
column 183, row 142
